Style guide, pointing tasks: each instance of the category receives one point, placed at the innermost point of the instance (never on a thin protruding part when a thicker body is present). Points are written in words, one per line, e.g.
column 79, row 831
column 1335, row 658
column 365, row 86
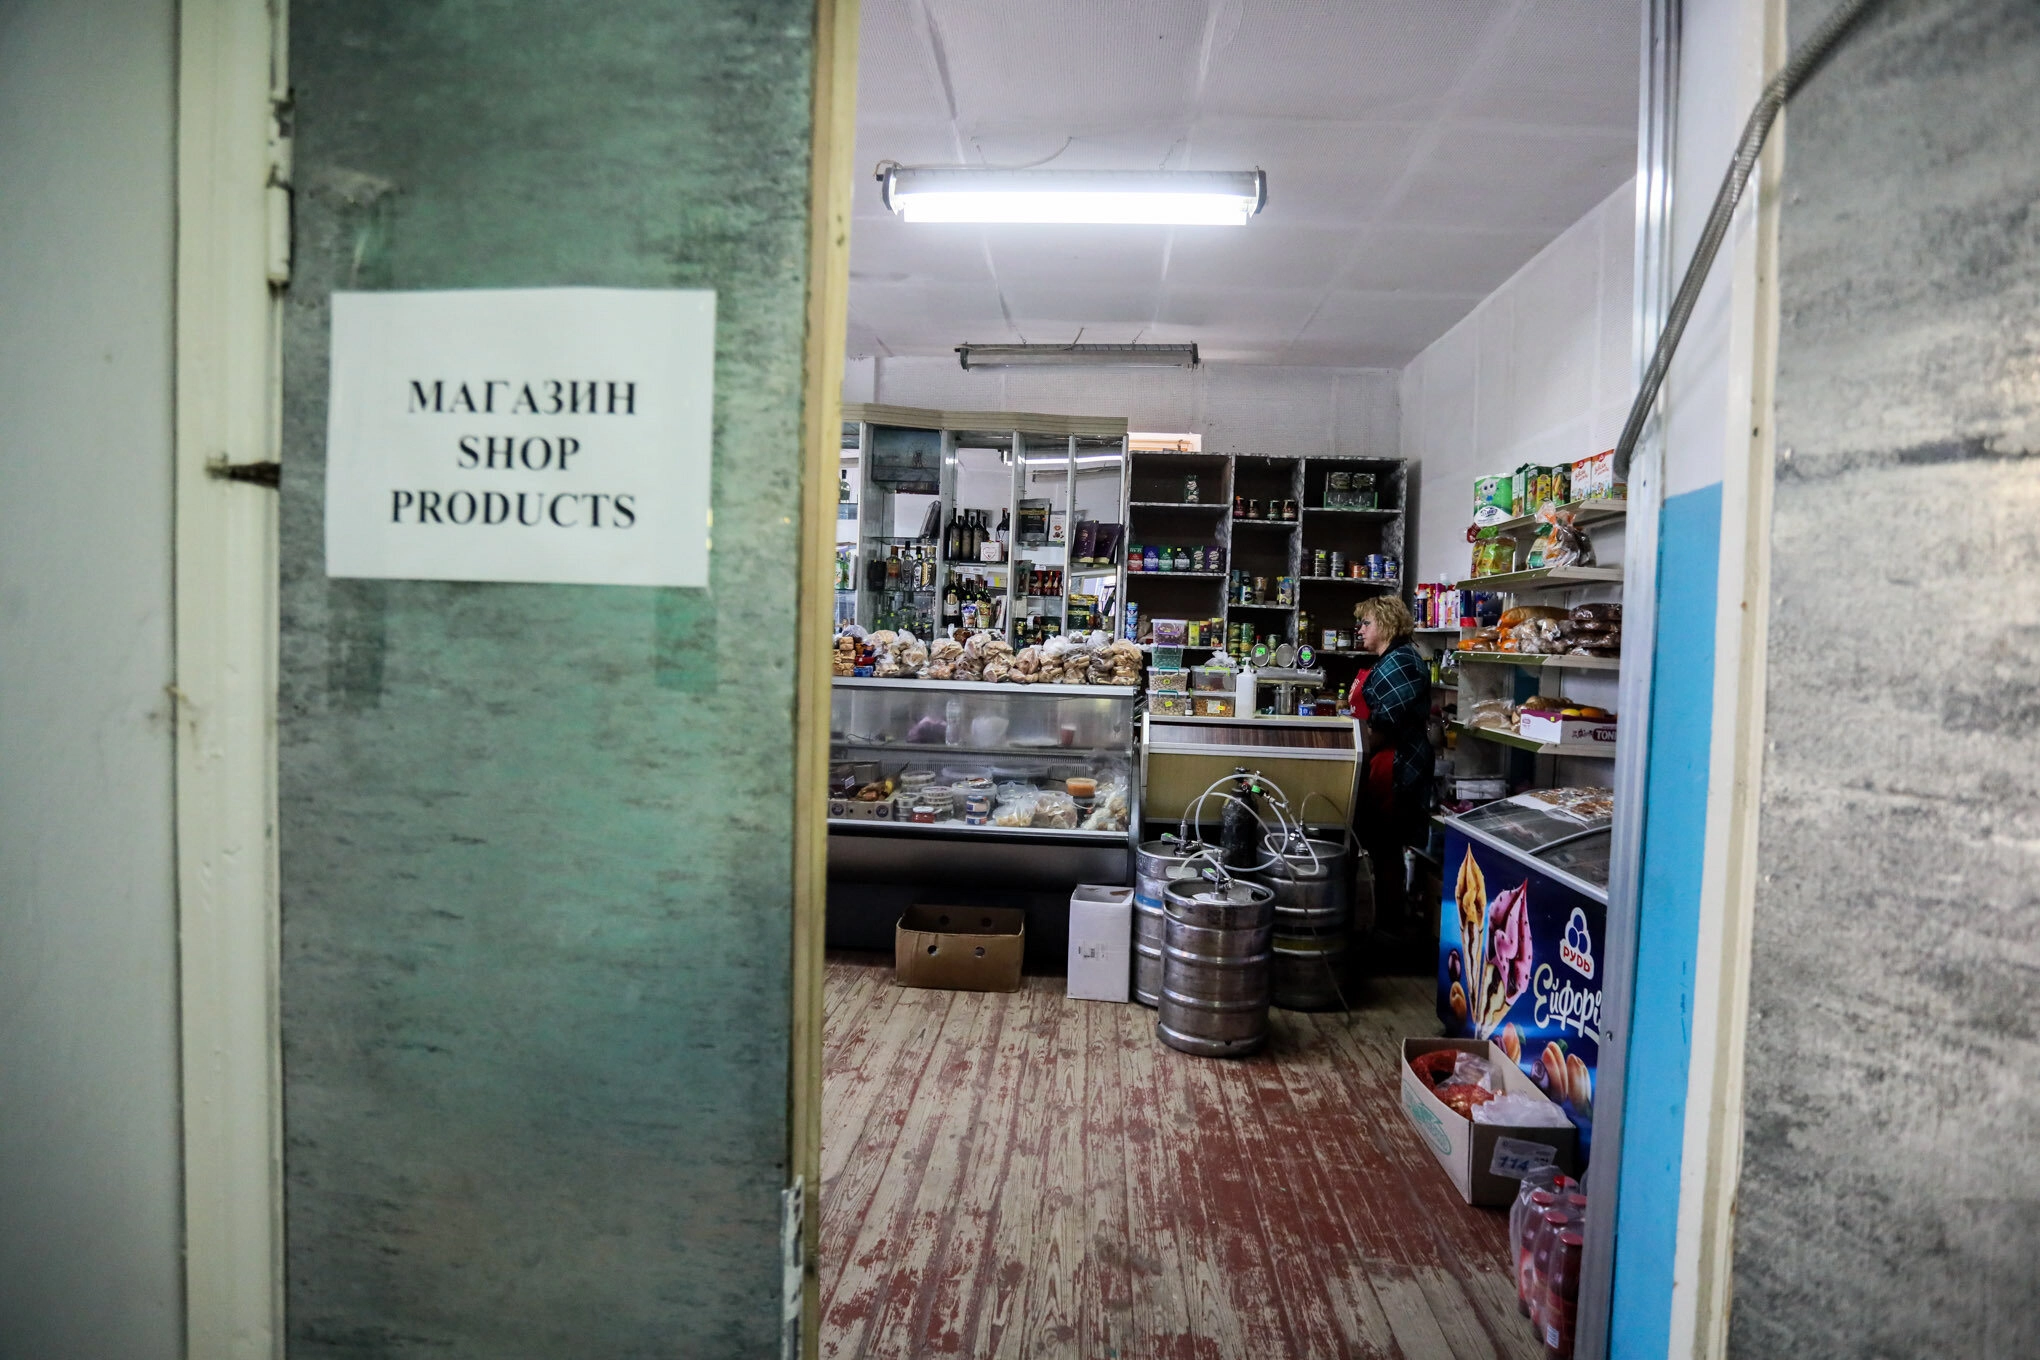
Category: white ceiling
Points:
column 1418, row 152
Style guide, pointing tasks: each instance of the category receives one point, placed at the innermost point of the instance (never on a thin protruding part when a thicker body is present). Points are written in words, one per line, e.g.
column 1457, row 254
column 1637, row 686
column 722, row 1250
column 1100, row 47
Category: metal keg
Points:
column 1215, row 967
column 1313, row 920
column 1156, row 865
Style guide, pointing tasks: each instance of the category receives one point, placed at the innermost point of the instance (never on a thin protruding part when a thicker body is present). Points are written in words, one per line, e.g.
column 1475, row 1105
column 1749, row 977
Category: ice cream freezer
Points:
column 1524, row 912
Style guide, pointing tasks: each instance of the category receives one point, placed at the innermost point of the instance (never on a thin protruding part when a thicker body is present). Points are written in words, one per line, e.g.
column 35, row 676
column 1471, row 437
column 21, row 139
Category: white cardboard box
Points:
column 1572, row 731
column 1101, row 943
column 1485, row 1162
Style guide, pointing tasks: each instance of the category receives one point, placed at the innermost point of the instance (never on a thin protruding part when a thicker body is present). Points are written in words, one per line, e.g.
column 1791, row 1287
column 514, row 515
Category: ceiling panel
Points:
column 1417, row 155
column 1519, row 178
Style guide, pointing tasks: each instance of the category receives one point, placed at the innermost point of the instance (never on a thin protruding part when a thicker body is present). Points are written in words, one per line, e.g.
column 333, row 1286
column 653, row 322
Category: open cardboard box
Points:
column 960, row 949
column 1485, row 1162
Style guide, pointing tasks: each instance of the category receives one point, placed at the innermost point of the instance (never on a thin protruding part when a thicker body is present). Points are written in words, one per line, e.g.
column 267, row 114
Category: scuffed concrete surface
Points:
column 536, row 840
column 1890, row 1197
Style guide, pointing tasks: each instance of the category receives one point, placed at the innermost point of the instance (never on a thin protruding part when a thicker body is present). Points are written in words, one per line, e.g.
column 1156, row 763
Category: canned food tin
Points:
column 1260, row 590
column 1391, row 569
column 1189, row 488
column 977, row 809
column 1318, row 562
column 1356, row 570
column 1338, row 563
column 923, row 813
column 1331, row 639
column 1374, row 568
column 1285, row 590
column 1345, row 639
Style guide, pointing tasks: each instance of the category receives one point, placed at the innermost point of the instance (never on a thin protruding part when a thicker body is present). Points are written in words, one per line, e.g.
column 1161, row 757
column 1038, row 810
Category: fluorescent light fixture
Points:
column 1177, row 198
column 1068, row 356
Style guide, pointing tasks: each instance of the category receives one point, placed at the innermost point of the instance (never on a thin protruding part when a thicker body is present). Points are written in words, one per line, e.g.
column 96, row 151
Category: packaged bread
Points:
column 1523, row 613
column 1597, row 613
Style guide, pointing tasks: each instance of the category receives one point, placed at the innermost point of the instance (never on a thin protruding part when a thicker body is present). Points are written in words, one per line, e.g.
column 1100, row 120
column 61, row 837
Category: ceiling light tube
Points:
column 1180, row 198
column 1064, row 356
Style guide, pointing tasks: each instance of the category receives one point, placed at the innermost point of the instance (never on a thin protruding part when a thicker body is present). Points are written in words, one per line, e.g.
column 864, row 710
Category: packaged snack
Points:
column 1493, row 553
column 1056, row 810
column 1560, row 542
column 1597, row 613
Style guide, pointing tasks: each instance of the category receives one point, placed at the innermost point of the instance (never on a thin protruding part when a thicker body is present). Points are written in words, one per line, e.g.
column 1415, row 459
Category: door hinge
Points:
column 793, row 1258
column 277, row 192
column 258, row 474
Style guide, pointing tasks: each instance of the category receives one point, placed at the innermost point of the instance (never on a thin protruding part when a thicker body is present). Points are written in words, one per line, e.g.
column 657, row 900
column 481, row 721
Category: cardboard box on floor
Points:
column 1485, row 1162
column 960, row 949
column 1101, row 943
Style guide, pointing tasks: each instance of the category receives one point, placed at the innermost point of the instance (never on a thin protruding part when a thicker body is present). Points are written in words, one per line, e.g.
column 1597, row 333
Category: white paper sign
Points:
column 543, row 434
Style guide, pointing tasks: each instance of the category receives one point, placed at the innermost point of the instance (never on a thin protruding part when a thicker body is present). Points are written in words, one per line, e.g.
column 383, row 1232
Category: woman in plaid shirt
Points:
column 1393, row 697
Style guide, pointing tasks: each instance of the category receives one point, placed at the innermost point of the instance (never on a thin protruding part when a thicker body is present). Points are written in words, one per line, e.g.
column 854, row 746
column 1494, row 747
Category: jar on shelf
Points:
column 1338, row 490
column 1189, row 488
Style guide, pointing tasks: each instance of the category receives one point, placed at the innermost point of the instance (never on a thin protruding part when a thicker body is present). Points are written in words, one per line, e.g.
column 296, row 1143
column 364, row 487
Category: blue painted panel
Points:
column 1668, row 925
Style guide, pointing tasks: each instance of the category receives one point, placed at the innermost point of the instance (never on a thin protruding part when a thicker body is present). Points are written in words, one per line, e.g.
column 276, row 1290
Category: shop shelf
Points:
column 1175, row 575
column 1177, row 505
column 1355, row 580
column 1583, row 512
column 1542, row 748
column 1281, row 608
column 1573, row 663
column 1453, row 629
column 1545, row 578
column 1363, row 512
column 1239, row 523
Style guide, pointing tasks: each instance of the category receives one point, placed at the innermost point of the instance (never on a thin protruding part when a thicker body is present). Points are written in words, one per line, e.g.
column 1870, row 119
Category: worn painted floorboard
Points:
column 1024, row 1175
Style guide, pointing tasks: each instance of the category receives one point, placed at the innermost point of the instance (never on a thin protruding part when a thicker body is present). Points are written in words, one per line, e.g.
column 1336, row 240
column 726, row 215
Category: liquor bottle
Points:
column 1004, row 530
column 950, row 544
column 952, row 607
column 892, row 569
column 977, row 535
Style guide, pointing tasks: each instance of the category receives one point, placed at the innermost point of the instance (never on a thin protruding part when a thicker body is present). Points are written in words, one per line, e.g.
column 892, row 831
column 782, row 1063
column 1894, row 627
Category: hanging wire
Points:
column 1798, row 69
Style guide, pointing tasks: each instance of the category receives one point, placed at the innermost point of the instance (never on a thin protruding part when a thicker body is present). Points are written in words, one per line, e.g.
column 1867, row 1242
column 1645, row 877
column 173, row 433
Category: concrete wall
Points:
column 1888, row 1202
column 1540, row 372
column 536, row 841
column 1243, row 408
column 89, row 1198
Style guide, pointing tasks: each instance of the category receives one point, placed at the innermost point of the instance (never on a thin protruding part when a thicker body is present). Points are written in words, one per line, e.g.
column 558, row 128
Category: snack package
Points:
column 1108, row 807
column 1597, row 613
column 1559, row 542
column 1057, row 810
column 1015, row 812
column 1493, row 553
column 1523, row 613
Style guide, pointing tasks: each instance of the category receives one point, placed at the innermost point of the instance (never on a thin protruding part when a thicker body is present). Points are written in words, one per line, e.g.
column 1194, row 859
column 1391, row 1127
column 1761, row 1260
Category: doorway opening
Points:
column 1320, row 497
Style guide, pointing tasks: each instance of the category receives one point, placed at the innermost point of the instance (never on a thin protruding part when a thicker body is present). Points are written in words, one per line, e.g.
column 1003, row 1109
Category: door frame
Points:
column 830, row 173
column 232, row 171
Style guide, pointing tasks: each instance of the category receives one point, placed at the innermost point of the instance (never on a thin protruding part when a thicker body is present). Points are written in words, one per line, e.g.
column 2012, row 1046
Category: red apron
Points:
column 1379, row 780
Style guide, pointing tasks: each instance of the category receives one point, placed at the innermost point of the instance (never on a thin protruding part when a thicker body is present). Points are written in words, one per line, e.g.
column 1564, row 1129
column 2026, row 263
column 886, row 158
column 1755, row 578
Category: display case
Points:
column 907, row 759
column 1009, row 521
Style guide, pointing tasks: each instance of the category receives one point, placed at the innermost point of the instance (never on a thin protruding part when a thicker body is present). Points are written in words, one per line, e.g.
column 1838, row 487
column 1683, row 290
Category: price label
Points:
column 1516, row 1158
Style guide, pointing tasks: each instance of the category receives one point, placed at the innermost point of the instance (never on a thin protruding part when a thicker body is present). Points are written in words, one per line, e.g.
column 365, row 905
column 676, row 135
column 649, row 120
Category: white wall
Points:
column 1540, row 372
column 89, row 1182
column 1236, row 407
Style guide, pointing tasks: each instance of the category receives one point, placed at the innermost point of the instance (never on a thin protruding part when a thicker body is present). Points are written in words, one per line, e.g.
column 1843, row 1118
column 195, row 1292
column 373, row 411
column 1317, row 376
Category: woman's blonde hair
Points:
column 1390, row 614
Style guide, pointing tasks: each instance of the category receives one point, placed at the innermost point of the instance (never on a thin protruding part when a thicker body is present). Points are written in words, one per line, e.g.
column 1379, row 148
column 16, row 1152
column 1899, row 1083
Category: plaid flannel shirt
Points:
column 1398, row 697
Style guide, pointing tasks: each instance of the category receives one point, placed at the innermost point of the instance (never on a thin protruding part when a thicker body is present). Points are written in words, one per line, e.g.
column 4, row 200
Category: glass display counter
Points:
column 1025, row 784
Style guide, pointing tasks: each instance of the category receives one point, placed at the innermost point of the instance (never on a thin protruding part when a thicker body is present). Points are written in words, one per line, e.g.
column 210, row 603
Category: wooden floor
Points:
column 1024, row 1175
